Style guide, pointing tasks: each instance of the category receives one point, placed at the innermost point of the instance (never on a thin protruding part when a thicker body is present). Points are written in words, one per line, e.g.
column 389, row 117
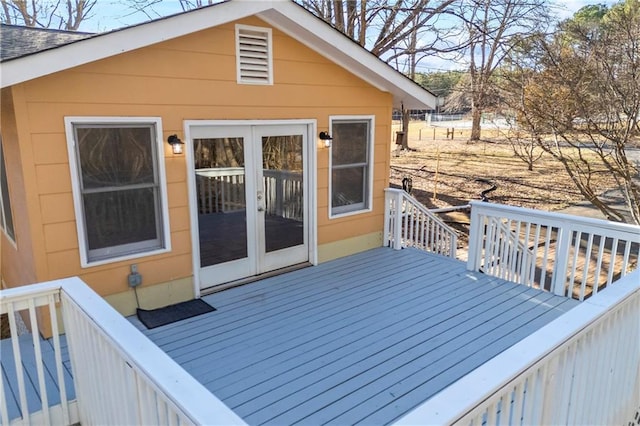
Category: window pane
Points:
column 348, row 187
column 350, row 142
column 7, row 218
column 282, row 188
column 116, row 218
column 220, row 186
column 115, row 156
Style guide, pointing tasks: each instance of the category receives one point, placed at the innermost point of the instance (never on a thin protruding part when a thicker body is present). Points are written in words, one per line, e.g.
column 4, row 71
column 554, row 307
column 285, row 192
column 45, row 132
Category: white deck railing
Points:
column 568, row 255
column 120, row 376
column 408, row 223
column 221, row 190
column 39, row 298
column 582, row 368
column 283, row 194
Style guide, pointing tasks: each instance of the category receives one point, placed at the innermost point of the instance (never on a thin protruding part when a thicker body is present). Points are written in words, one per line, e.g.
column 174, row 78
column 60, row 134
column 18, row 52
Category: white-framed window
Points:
column 351, row 165
column 119, row 187
column 6, row 217
column 254, row 56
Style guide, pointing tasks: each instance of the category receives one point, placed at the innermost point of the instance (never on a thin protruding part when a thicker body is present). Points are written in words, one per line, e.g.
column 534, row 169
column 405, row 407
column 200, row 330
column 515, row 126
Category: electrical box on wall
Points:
column 135, row 279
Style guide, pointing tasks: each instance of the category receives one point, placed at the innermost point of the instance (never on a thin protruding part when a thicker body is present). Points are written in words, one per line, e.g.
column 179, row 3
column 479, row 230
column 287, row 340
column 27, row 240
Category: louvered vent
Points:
column 253, row 52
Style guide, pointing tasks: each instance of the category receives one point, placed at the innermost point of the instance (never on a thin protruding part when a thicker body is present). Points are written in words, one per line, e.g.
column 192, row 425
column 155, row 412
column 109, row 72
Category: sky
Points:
column 112, row 14
column 566, row 8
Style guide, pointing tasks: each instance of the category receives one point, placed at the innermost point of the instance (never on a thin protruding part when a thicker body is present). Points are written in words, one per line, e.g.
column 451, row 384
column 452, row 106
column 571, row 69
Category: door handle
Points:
column 260, row 202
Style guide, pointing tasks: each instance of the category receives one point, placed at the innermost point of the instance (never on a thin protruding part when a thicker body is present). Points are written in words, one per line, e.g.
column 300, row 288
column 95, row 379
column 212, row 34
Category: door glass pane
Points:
column 282, row 189
column 220, row 187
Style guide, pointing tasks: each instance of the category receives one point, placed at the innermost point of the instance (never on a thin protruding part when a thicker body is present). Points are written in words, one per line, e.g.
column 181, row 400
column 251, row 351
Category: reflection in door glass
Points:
column 283, row 191
column 220, row 188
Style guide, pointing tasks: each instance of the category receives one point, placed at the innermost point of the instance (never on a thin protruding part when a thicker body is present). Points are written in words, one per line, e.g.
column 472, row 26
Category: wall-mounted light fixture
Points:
column 176, row 144
column 326, row 138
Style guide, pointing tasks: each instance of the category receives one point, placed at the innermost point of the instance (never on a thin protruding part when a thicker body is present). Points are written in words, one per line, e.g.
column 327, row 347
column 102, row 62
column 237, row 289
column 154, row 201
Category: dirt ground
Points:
column 448, row 172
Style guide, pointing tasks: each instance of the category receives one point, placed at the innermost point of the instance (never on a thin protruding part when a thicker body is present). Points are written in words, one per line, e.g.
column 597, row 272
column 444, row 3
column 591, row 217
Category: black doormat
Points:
column 172, row 313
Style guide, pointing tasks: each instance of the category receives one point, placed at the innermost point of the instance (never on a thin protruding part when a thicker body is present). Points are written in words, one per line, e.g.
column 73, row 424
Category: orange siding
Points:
column 193, row 77
column 17, row 264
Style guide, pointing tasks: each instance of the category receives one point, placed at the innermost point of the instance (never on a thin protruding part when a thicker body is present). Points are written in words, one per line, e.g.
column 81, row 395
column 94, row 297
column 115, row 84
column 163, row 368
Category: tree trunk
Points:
column 405, row 129
column 476, row 115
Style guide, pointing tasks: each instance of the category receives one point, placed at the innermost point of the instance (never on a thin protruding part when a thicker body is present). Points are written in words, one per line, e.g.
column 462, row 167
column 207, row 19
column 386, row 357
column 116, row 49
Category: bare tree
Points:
column 493, row 28
column 67, row 15
column 400, row 32
column 395, row 31
column 582, row 104
column 525, row 145
column 195, row 4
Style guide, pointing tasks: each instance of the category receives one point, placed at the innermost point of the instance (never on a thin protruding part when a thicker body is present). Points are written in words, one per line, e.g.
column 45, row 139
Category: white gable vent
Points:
column 253, row 55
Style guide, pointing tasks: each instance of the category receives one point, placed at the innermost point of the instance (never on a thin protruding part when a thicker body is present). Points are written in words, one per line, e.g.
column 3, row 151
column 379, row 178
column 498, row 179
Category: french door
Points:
column 250, row 199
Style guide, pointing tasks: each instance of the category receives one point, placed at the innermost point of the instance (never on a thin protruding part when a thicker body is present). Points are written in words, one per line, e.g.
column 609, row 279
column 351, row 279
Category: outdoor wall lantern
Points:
column 326, row 138
column 176, row 144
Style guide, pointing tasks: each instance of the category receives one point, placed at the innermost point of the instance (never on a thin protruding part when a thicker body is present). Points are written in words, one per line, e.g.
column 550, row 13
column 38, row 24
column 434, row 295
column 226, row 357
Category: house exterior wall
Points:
column 17, row 262
column 190, row 78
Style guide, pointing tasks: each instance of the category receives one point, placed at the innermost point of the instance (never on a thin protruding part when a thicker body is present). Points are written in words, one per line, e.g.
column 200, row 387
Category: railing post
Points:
column 387, row 218
column 397, row 225
column 475, row 238
column 565, row 232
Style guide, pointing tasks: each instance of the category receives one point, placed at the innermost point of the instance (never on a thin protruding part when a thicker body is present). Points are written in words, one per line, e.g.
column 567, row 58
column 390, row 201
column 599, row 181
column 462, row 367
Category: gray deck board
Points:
column 362, row 339
column 32, row 387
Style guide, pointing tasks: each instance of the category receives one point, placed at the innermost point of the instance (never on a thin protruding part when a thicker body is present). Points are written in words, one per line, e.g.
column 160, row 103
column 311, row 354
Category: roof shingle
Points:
column 17, row 41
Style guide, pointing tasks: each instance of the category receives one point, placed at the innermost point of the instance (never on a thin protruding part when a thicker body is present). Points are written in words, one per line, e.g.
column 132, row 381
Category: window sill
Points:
column 88, row 264
column 347, row 214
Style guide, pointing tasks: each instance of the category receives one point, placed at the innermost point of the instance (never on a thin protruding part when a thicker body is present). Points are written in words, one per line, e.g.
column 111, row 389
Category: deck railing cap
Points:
column 556, row 216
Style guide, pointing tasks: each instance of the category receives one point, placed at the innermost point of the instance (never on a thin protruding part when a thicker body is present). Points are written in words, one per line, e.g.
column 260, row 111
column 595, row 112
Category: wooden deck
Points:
column 362, row 339
column 32, row 391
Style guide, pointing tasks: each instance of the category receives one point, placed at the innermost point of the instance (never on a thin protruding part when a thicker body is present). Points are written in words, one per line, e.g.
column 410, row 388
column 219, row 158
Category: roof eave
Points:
column 120, row 41
column 284, row 15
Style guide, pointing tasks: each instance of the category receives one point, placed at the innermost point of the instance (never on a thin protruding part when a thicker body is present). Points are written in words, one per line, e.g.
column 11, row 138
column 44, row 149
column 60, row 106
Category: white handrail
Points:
column 582, row 368
column 568, row 255
column 36, row 298
column 410, row 224
column 220, row 172
column 124, row 378
column 120, row 376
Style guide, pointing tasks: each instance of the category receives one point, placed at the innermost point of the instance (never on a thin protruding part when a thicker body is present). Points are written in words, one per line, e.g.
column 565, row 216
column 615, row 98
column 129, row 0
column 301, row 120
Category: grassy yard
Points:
column 448, row 172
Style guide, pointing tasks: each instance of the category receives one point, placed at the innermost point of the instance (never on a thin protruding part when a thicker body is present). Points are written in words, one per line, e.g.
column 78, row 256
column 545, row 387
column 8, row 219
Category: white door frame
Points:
column 312, row 175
